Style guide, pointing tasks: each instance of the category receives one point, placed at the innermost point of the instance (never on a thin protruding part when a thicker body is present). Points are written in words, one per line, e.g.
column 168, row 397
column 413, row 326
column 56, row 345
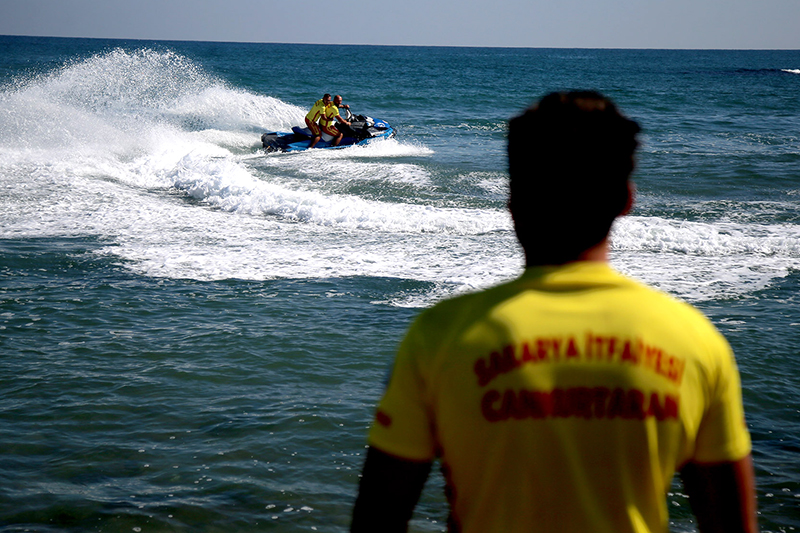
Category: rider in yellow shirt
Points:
column 327, row 121
column 314, row 115
column 565, row 400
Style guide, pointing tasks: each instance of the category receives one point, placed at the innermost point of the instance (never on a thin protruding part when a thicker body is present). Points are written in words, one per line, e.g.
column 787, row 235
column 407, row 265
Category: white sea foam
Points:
column 224, row 184
column 718, row 239
column 343, row 165
column 380, row 148
column 701, row 261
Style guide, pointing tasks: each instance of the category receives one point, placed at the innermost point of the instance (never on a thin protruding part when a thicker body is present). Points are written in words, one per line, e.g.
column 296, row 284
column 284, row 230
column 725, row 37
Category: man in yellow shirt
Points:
column 314, row 115
column 330, row 116
column 565, row 400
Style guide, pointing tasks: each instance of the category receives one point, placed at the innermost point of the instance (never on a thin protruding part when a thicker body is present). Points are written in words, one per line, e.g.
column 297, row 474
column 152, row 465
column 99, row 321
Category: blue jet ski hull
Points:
column 362, row 130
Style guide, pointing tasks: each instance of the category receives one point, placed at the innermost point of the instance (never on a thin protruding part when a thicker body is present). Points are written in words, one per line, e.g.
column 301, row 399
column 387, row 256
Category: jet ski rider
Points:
column 328, row 118
column 317, row 110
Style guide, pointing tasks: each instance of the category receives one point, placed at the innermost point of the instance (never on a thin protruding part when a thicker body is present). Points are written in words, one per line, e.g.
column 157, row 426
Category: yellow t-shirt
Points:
column 328, row 116
column 563, row 401
column 316, row 111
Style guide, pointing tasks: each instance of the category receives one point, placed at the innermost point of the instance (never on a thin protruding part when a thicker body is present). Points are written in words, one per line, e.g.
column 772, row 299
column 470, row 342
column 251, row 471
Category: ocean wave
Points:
column 720, row 239
column 118, row 101
column 229, row 186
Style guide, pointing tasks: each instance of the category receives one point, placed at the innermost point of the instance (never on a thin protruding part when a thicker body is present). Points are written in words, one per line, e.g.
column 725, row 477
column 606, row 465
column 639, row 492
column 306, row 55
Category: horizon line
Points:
column 398, row 45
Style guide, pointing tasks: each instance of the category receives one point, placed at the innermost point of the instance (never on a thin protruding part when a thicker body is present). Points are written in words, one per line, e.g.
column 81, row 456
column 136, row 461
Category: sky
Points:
column 696, row 24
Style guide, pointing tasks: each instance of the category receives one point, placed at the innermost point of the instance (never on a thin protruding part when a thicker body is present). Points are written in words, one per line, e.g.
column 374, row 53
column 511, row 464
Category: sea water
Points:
column 194, row 333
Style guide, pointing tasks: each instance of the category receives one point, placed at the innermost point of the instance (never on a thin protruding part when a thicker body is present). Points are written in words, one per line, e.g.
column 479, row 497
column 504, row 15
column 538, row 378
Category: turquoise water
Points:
column 194, row 333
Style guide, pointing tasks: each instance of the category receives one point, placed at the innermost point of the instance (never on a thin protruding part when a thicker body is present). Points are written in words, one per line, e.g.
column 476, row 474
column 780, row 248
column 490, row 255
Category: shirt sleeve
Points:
column 723, row 434
column 403, row 425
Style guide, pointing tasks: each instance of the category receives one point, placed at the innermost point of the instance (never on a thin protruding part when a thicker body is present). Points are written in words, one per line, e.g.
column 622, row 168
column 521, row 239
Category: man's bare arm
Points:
column 722, row 496
column 388, row 492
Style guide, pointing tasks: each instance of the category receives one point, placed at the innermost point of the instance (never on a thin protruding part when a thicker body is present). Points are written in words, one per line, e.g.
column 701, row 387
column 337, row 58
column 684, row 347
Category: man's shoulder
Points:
column 646, row 295
column 651, row 303
column 650, row 309
column 469, row 305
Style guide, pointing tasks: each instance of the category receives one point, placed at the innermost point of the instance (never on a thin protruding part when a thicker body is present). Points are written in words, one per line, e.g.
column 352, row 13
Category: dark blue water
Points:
column 194, row 333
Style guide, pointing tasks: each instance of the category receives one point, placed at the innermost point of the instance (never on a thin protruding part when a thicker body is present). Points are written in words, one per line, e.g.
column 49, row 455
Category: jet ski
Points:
column 362, row 130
